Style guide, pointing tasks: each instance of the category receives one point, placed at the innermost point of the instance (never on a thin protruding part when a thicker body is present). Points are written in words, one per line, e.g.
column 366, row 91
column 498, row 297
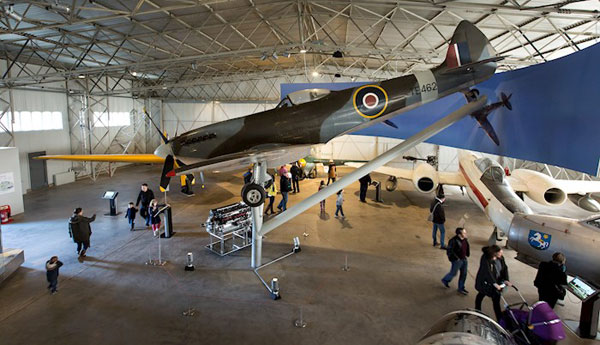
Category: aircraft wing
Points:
column 444, row 177
column 240, row 160
column 115, row 158
column 579, row 186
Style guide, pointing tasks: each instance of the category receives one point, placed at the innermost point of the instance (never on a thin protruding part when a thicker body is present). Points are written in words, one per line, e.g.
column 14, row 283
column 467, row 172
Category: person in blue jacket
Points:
column 130, row 215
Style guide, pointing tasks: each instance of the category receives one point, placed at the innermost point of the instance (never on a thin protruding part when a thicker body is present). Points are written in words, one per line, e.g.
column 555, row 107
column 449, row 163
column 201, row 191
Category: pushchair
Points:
column 537, row 324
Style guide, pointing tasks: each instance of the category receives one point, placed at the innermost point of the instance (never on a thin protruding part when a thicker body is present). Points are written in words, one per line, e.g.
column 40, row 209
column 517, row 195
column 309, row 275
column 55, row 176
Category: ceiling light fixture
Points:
column 10, row 11
column 275, row 55
column 58, row 7
column 263, row 57
column 338, row 54
column 286, row 54
column 302, row 51
column 315, row 74
column 81, row 76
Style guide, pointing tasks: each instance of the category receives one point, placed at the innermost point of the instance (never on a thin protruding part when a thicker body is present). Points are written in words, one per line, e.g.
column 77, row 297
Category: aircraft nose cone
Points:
column 164, row 150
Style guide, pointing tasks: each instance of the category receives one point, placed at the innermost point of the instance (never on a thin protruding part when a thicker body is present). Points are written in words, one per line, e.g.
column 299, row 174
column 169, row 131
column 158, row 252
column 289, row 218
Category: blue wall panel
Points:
column 555, row 117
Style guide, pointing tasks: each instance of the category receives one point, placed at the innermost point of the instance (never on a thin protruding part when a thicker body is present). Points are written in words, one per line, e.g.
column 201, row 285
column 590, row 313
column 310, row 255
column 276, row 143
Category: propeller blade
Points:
column 506, row 100
column 167, row 169
column 163, row 136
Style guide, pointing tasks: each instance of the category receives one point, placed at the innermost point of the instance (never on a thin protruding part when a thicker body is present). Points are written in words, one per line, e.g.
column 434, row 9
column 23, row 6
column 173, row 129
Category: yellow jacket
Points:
column 272, row 191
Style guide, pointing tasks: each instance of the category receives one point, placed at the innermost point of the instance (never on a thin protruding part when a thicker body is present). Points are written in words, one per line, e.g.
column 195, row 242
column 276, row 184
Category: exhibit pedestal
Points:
column 573, row 325
column 10, row 261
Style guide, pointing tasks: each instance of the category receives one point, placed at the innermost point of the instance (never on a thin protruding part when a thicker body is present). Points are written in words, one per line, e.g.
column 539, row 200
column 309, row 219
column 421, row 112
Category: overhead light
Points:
column 81, row 76
column 302, row 51
column 315, row 74
column 338, row 54
column 263, row 57
column 286, row 54
column 194, row 66
column 275, row 55
column 58, row 7
column 217, row 102
column 134, row 73
column 10, row 11
column 164, row 87
column 337, row 75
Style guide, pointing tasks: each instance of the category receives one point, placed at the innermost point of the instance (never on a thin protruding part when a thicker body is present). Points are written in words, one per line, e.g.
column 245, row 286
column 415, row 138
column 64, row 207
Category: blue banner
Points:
column 554, row 118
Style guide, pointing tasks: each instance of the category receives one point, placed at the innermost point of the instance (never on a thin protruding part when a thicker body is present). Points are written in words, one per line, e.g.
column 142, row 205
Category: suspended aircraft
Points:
column 285, row 133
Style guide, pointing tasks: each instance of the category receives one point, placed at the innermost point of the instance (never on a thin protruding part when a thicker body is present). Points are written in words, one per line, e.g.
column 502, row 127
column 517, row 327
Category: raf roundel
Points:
column 370, row 101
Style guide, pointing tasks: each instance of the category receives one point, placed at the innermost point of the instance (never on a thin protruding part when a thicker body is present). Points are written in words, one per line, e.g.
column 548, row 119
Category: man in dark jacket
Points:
column 551, row 279
column 439, row 218
column 80, row 230
column 52, row 267
column 491, row 278
column 458, row 251
column 296, row 172
column 285, row 187
column 146, row 195
column 364, row 181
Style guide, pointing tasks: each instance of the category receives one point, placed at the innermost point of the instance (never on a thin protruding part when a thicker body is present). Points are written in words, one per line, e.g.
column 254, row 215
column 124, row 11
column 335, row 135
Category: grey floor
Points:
column 391, row 294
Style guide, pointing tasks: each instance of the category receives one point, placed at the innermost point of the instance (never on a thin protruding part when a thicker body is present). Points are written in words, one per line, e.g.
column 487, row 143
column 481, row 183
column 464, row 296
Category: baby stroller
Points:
column 537, row 324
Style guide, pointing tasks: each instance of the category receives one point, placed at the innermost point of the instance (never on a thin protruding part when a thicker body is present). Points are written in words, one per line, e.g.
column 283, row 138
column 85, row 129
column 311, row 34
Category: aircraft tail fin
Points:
column 469, row 50
column 468, row 45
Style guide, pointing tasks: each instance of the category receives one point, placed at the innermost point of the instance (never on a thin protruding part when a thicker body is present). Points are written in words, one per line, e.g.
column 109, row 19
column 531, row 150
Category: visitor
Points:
column 271, row 194
column 296, row 173
column 491, row 278
column 322, row 203
column 339, row 202
column 551, row 279
column 364, row 181
column 331, row 172
column 438, row 218
column 458, row 252
column 248, row 176
column 285, row 186
column 80, row 230
column 154, row 212
column 52, row 267
column 146, row 195
column 130, row 215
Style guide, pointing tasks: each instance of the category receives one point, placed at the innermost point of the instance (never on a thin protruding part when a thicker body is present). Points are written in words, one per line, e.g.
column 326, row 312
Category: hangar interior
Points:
column 76, row 78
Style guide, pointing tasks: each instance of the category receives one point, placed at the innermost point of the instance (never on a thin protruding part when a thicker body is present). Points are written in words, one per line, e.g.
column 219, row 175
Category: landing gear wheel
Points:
column 253, row 195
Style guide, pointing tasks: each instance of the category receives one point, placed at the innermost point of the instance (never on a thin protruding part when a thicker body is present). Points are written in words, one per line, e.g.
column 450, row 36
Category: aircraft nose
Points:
column 164, row 150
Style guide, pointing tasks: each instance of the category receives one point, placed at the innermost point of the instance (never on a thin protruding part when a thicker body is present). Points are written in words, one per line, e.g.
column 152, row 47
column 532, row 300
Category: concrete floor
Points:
column 391, row 295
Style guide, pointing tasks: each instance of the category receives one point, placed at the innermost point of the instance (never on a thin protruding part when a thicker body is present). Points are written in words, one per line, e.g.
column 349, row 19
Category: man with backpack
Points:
column 438, row 217
column 458, row 252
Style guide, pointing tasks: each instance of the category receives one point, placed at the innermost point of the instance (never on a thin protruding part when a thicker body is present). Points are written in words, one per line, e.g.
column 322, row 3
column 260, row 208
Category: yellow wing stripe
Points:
column 116, row 158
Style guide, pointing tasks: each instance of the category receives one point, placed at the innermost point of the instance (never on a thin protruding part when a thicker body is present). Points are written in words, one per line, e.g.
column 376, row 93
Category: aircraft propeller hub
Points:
column 164, row 150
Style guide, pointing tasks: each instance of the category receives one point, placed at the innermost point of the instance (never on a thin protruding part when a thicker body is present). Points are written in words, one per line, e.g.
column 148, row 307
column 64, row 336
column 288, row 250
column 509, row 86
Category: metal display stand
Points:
column 229, row 228
column 587, row 327
column 111, row 196
column 168, row 233
column 377, row 185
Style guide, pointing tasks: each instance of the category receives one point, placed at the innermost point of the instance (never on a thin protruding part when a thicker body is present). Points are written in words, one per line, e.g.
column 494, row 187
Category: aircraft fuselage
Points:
column 321, row 120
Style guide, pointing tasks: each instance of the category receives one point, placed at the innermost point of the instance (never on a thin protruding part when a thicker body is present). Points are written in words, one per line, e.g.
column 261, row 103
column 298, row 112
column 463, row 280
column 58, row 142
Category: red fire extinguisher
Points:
column 5, row 214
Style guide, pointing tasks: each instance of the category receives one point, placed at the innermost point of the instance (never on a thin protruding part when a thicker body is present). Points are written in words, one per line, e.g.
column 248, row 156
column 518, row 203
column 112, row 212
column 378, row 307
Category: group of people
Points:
column 289, row 182
column 492, row 276
column 80, row 229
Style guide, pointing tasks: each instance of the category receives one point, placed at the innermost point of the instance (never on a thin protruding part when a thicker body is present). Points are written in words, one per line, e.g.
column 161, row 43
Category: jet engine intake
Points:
column 425, row 178
column 542, row 188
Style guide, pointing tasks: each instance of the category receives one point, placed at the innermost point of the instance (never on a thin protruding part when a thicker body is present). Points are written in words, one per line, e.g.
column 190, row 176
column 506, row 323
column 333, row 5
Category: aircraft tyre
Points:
column 312, row 174
column 253, row 195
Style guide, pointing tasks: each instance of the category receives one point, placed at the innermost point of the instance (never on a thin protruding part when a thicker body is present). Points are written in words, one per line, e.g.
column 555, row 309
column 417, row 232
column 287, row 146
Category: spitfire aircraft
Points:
column 285, row 133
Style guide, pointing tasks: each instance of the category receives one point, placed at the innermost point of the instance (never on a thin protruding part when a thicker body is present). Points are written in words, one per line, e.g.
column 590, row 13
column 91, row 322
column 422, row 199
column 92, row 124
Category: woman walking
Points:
column 492, row 277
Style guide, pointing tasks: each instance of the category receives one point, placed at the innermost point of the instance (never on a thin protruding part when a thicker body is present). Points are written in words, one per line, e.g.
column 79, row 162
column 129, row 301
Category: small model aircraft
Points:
column 284, row 134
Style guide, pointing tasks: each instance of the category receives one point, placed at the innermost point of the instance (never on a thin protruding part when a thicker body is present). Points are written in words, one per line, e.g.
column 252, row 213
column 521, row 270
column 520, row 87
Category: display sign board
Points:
column 582, row 289
column 7, row 183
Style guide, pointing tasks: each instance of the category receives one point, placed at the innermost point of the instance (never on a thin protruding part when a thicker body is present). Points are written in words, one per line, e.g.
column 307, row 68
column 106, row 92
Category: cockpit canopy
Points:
column 303, row 96
column 491, row 170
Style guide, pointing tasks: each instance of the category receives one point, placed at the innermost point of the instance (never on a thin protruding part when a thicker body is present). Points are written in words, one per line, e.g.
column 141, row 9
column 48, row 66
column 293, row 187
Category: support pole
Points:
column 379, row 161
column 259, row 173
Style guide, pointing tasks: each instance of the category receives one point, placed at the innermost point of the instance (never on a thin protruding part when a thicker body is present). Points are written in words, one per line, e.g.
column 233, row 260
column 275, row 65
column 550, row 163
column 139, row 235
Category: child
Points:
column 130, row 215
column 52, row 267
column 154, row 216
column 338, row 204
column 321, row 186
